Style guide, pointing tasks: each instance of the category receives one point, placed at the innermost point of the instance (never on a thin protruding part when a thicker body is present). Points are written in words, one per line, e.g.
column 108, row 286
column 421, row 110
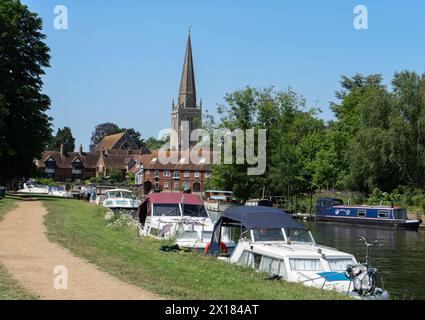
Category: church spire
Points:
column 187, row 92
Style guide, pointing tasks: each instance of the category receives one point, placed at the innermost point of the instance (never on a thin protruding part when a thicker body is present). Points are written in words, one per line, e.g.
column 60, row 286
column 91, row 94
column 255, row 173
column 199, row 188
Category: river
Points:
column 400, row 261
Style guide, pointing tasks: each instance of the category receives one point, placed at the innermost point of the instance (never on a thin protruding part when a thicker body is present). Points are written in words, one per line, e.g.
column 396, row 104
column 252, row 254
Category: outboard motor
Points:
column 362, row 275
column 364, row 278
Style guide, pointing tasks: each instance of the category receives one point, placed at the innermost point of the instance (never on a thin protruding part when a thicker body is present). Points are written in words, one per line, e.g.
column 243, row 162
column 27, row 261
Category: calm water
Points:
column 401, row 259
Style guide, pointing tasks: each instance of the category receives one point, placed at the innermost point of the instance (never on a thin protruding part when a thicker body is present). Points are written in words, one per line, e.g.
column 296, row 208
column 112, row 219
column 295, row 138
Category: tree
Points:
column 102, row 130
column 25, row 128
column 63, row 136
column 155, row 144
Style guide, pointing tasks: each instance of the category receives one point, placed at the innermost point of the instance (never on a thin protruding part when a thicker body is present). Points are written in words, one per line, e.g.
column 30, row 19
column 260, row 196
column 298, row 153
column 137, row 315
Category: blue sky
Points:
column 120, row 60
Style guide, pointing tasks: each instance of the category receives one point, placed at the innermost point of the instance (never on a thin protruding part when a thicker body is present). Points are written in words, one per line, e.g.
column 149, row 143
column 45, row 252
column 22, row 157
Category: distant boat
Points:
column 333, row 209
column 259, row 203
column 32, row 187
column 120, row 199
column 59, row 192
column 216, row 201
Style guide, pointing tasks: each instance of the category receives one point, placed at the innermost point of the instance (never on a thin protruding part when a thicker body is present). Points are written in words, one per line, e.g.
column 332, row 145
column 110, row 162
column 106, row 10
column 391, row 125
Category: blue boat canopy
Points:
column 252, row 218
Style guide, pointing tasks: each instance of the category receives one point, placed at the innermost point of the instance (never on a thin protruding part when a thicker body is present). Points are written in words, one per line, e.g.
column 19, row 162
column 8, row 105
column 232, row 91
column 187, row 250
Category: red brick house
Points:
column 153, row 175
column 112, row 153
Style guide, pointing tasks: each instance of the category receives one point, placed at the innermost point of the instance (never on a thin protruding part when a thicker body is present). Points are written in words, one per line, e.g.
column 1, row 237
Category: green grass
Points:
column 9, row 288
column 81, row 228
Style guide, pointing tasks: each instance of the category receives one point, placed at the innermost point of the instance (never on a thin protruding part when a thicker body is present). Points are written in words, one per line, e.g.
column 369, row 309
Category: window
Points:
column 340, row 264
column 166, row 185
column 166, row 173
column 156, row 173
column 268, row 235
column 197, row 174
column 166, row 210
column 383, row 214
column 186, row 185
column 148, row 172
column 176, row 186
column 305, row 264
column 194, row 210
column 186, row 174
column 299, row 235
column 273, row 267
column 361, row 213
column 207, row 174
column 176, row 175
column 400, row 214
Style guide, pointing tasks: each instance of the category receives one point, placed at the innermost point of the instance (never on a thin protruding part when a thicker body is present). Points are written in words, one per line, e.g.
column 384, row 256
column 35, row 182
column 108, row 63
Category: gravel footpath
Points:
column 31, row 259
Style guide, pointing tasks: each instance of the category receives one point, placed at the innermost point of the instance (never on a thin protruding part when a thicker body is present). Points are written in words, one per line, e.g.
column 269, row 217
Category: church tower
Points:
column 186, row 116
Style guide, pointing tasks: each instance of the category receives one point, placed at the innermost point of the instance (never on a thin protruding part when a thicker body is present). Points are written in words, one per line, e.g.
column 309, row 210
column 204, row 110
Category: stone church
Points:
column 186, row 115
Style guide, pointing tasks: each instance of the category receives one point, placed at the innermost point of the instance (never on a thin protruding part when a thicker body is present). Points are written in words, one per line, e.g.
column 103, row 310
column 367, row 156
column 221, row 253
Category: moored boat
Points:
column 216, row 201
column 274, row 243
column 32, row 187
column 333, row 209
column 120, row 199
column 179, row 216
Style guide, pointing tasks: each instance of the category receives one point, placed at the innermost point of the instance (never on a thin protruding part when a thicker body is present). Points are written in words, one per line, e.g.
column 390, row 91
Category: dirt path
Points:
column 31, row 258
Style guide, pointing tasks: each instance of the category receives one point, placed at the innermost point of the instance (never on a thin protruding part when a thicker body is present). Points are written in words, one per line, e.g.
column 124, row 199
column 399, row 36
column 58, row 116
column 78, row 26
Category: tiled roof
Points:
column 152, row 162
column 115, row 161
column 89, row 159
column 109, row 142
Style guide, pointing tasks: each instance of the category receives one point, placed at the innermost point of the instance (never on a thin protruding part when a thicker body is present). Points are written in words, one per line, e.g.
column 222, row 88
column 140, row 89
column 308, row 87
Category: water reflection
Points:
column 401, row 259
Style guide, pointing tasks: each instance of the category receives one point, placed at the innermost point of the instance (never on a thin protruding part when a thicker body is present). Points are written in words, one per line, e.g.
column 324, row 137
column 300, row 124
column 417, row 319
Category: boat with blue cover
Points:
column 333, row 209
column 272, row 242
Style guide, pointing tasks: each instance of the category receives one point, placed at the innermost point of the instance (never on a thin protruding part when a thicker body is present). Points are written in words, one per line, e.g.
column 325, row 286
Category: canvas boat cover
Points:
column 252, row 218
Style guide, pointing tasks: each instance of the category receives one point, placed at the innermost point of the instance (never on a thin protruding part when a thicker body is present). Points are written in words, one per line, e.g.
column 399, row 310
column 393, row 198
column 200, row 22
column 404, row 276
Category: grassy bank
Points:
column 9, row 288
column 81, row 228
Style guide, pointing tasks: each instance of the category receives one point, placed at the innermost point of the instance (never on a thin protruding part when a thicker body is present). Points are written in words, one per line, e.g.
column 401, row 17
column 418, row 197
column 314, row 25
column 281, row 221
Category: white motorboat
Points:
column 216, row 201
column 120, row 199
column 59, row 192
column 178, row 216
column 275, row 243
column 32, row 187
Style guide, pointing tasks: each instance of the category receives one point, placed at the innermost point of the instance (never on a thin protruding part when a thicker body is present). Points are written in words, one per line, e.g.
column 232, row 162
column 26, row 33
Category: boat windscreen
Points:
column 127, row 195
column 299, row 235
column 166, row 210
column 194, row 210
column 268, row 235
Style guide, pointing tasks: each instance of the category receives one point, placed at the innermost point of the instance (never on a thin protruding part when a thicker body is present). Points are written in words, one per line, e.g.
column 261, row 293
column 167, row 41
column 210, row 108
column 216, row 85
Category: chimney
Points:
column 81, row 149
column 62, row 149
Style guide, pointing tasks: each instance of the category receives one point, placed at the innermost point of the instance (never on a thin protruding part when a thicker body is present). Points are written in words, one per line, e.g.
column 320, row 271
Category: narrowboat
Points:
column 273, row 242
column 333, row 209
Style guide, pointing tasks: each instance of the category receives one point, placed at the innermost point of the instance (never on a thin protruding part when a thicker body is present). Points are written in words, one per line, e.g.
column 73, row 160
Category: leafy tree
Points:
column 63, row 136
column 155, row 144
column 25, row 128
column 102, row 130
column 116, row 176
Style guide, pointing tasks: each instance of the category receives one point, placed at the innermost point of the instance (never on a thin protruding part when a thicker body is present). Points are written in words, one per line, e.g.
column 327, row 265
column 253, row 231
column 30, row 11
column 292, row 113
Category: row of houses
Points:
column 119, row 152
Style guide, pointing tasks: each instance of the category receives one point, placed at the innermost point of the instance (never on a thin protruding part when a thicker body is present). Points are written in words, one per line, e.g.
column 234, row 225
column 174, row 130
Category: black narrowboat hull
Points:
column 398, row 224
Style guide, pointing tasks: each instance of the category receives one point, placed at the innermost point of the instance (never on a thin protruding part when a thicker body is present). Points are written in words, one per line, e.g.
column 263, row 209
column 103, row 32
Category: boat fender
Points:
column 223, row 248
